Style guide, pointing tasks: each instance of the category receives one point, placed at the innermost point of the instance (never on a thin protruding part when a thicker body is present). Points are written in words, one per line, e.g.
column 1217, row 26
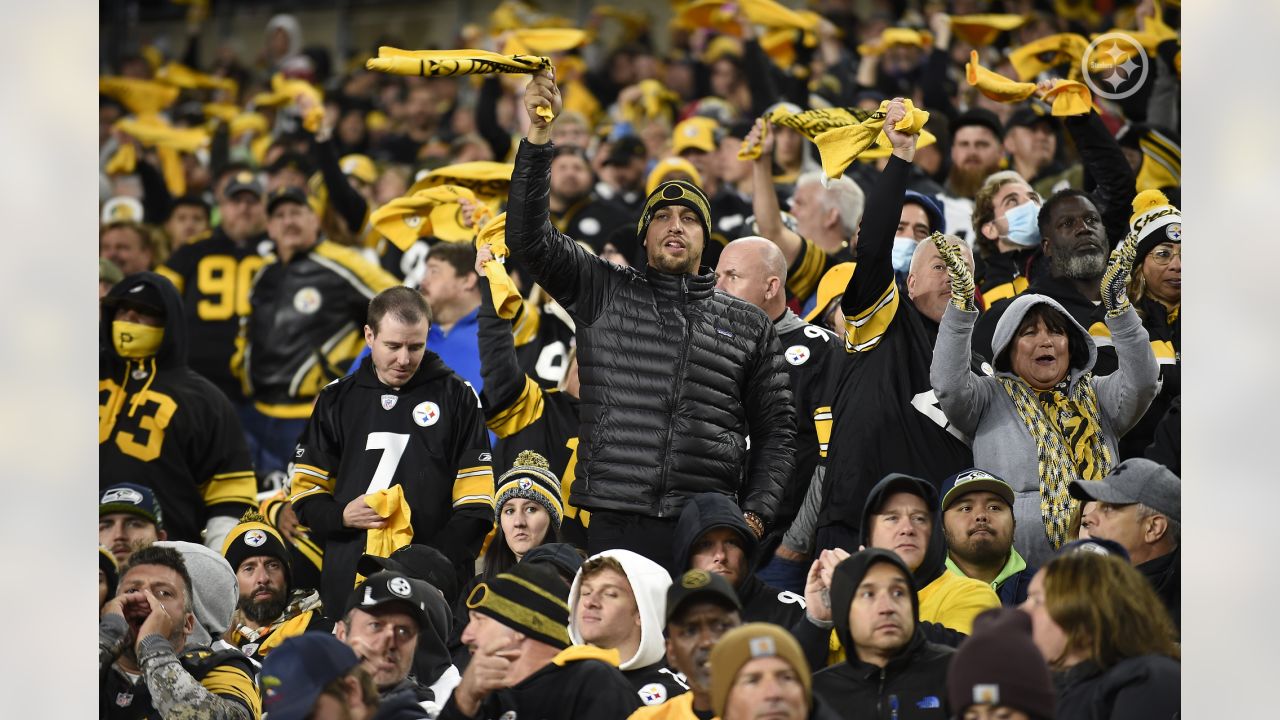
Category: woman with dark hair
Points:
column 1039, row 418
column 1106, row 636
column 528, row 510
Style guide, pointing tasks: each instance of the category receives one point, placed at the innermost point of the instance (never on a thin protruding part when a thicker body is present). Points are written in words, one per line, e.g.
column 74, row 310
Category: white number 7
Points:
column 392, row 446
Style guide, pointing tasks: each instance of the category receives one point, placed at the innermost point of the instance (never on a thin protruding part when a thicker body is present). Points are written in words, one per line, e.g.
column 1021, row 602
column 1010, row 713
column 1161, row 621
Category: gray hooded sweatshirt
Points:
column 979, row 406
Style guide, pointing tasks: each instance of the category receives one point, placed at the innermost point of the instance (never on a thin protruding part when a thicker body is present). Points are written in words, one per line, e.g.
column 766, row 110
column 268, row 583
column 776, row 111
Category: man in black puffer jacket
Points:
column 674, row 373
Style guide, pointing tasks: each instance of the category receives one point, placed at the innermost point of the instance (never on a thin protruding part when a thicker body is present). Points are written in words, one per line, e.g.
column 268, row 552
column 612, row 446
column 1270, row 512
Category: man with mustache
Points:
column 146, row 668
column 270, row 609
column 386, row 615
column 701, row 607
column 673, row 372
column 978, row 523
column 128, row 517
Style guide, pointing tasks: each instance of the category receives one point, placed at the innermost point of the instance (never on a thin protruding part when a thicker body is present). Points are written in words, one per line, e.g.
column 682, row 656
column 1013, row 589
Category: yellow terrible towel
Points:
column 983, row 29
column 1047, row 52
column 285, row 91
column 405, row 219
column 506, row 298
column 398, row 532
column 179, row 75
column 452, row 63
column 842, row 145
column 1067, row 96
column 141, row 97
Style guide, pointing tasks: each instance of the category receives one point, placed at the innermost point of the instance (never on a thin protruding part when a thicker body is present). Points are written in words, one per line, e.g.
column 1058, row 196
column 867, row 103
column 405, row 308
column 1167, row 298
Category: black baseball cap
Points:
column 1028, row 117
column 625, row 149
column 422, row 562
column 696, row 584
column 283, row 195
column 391, row 587
column 244, row 181
column 137, row 294
column 981, row 117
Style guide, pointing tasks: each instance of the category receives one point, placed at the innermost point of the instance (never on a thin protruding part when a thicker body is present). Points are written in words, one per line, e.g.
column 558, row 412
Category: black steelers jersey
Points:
column 428, row 437
column 225, row 673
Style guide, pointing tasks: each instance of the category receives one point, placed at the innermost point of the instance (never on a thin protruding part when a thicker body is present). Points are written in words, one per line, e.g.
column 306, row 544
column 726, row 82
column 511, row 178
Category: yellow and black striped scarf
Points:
column 1067, row 428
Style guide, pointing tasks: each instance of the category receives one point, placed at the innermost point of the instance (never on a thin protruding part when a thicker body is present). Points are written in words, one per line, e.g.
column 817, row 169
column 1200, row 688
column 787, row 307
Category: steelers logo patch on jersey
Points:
column 589, row 226
column 399, row 586
column 797, row 354
column 653, row 694
column 255, row 538
column 307, row 300
column 426, row 413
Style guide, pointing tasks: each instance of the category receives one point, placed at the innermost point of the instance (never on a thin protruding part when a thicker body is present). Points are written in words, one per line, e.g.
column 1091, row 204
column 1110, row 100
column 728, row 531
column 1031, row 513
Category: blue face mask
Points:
column 1024, row 225
column 903, row 249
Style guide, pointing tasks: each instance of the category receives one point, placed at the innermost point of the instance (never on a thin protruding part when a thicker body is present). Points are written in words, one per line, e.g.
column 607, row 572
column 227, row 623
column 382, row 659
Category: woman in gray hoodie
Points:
column 1040, row 418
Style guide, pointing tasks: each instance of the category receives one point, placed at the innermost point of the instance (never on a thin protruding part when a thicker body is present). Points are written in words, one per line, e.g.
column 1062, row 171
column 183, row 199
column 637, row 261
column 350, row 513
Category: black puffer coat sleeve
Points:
column 1106, row 165
column 578, row 280
column 771, row 417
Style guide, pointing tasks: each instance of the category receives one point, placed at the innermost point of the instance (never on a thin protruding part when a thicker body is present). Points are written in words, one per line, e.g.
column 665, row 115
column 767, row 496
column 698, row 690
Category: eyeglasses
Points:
column 1164, row 256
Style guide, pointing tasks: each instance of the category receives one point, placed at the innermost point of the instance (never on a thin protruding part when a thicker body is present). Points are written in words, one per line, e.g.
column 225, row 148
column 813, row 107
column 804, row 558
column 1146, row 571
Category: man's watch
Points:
column 756, row 524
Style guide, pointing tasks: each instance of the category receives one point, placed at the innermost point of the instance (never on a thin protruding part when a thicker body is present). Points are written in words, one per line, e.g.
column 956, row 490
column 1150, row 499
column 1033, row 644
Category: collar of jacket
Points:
column 695, row 286
column 1159, row 570
column 1064, row 291
column 896, row 664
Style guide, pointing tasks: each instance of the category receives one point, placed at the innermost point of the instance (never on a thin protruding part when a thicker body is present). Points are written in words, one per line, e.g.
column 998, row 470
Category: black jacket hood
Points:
column 935, row 554
column 173, row 349
column 705, row 512
column 844, row 581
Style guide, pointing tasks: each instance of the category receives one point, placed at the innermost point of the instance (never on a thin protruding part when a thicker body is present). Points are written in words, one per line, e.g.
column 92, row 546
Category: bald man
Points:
column 754, row 269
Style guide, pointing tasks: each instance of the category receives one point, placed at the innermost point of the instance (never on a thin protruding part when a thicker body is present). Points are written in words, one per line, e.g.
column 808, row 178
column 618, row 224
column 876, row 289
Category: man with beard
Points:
column 128, row 518
column 146, row 669
column 977, row 523
column 976, row 151
column 269, row 609
column 575, row 209
column 673, row 372
column 701, row 607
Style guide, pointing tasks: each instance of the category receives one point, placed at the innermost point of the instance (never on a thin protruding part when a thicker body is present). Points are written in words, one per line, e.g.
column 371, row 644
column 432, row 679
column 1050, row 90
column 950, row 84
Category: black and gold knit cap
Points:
column 676, row 192
column 530, row 478
column 531, row 599
column 255, row 537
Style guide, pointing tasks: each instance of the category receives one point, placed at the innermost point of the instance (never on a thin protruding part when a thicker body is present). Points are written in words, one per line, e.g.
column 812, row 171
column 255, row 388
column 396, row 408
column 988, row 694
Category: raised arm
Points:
column 1125, row 395
column 578, row 280
column 961, row 396
column 764, row 200
column 1105, row 163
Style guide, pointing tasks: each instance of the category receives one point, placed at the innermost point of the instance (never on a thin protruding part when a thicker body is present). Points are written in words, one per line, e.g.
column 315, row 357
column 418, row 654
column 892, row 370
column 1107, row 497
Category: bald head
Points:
column 929, row 283
column 753, row 269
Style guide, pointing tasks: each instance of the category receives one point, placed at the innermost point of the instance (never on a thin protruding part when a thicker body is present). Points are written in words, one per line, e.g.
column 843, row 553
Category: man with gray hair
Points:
column 1139, row 505
column 827, row 219
column 754, row 269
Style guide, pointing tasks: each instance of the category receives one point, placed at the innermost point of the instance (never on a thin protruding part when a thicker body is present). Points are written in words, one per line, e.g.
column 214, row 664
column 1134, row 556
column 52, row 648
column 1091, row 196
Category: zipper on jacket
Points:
column 880, row 696
column 681, row 362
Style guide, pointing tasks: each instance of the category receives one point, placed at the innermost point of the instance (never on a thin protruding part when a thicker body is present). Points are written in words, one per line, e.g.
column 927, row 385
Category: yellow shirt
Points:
column 679, row 707
column 955, row 601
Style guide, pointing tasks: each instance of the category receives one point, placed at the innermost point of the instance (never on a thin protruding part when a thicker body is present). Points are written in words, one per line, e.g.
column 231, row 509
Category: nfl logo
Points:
column 389, row 401
column 124, row 699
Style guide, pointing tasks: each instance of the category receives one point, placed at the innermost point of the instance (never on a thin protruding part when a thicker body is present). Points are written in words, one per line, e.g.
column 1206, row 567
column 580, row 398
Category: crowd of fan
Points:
column 772, row 362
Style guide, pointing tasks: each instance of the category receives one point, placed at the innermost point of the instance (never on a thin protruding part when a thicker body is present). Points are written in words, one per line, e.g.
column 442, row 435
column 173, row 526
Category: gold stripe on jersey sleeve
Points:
column 862, row 332
column 520, row 414
column 803, row 280
column 232, row 487
column 473, row 486
column 524, row 328
column 311, row 551
column 359, row 271
column 1165, row 354
column 1004, row 290
column 288, row 411
column 822, row 427
column 309, row 480
column 1101, row 334
column 232, row 682
column 172, row 276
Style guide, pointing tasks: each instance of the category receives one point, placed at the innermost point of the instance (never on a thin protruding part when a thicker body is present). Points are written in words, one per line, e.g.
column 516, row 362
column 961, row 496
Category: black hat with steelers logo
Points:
column 255, row 537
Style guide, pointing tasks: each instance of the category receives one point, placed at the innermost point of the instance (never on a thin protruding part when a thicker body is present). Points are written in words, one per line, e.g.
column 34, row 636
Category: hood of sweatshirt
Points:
column 701, row 514
column 173, row 348
column 649, row 583
column 935, row 554
column 844, row 581
column 1081, row 362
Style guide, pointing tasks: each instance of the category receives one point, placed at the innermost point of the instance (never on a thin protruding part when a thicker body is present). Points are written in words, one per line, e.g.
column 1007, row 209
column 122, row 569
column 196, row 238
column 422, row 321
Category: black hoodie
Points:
column 913, row 684
column 163, row 425
column 760, row 602
column 436, row 423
